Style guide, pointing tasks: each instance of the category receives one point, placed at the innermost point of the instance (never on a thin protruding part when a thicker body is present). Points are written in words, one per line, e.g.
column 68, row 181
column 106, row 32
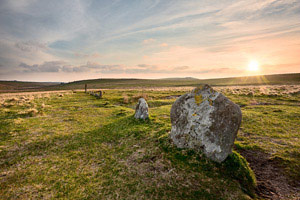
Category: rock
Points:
column 141, row 110
column 206, row 121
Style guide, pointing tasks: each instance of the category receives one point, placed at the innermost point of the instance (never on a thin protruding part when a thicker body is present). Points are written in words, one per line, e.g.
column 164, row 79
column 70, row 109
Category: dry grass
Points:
column 269, row 90
column 31, row 112
column 133, row 99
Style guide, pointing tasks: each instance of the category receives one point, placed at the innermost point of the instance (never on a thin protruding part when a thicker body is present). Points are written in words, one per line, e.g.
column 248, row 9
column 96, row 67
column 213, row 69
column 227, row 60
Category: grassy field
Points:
column 73, row 146
column 279, row 79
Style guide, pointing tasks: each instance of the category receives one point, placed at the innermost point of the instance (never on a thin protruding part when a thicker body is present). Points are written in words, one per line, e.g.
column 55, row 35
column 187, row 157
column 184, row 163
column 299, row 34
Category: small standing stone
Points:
column 207, row 121
column 141, row 110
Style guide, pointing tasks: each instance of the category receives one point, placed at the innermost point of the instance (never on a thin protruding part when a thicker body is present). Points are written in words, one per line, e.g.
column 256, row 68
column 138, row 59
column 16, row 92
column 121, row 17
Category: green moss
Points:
column 237, row 167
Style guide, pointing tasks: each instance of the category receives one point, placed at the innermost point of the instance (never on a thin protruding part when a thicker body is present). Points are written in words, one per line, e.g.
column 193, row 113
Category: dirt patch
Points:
column 271, row 181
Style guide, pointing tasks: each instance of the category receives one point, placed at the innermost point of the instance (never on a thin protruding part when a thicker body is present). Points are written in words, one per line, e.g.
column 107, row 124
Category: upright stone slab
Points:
column 206, row 121
column 141, row 110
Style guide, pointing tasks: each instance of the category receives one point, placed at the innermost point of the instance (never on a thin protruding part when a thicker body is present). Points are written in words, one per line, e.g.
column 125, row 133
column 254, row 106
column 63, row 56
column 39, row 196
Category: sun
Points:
column 253, row 66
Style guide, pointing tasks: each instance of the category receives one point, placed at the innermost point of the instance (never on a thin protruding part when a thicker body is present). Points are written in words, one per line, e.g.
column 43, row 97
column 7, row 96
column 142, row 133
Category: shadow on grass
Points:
column 114, row 133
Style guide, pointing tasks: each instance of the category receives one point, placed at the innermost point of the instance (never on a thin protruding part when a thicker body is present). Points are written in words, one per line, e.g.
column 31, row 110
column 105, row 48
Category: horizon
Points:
column 229, row 77
column 65, row 41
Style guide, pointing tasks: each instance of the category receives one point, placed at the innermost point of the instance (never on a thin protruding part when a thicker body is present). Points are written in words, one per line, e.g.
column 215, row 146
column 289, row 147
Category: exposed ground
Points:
column 71, row 145
column 272, row 183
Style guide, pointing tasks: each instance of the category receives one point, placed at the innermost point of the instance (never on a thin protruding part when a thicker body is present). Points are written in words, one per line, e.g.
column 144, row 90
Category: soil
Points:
column 271, row 181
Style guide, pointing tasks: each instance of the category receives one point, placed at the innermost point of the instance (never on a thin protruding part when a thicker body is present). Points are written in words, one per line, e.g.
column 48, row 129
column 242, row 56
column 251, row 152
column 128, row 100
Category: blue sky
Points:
column 73, row 40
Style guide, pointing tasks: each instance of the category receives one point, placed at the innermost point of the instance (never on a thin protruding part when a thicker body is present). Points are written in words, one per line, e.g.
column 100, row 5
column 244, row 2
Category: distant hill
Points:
column 9, row 86
column 181, row 82
column 138, row 83
column 179, row 78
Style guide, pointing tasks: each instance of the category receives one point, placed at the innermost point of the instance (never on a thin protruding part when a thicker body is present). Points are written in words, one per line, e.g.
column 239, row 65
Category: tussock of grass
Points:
column 29, row 112
column 133, row 98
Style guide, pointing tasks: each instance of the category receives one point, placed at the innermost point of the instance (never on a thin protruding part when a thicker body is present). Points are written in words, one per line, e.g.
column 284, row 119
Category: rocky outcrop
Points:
column 207, row 121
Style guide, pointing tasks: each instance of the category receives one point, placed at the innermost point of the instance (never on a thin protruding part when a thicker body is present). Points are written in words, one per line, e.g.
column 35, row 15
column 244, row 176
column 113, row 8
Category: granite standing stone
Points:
column 141, row 111
column 207, row 121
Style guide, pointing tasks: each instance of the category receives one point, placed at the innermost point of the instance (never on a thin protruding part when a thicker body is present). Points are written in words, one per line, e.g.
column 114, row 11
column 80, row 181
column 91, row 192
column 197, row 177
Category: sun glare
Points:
column 253, row 66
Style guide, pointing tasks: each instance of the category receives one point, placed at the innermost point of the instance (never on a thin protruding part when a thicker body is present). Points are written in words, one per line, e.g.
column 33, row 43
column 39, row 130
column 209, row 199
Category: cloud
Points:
column 149, row 41
column 30, row 46
column 145, row 66
column 110, row 69
column 62, row 66
column 52, row 66
column 83, row 55
column 181, row 68
column 163, row 44
column 56, row 66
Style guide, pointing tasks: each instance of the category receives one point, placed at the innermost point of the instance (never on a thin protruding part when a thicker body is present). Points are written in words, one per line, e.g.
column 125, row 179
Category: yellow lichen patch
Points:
column 210, row 101
column 197, row 89
column 194, row 114
column 198, row 99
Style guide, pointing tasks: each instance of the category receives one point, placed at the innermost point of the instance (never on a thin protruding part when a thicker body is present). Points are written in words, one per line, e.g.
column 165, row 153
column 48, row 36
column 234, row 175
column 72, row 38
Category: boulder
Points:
column 206, row 121
column 141, row 110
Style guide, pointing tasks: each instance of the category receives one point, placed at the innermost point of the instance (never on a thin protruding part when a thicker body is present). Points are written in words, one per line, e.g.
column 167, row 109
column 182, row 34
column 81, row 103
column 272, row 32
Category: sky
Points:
column 68, row 40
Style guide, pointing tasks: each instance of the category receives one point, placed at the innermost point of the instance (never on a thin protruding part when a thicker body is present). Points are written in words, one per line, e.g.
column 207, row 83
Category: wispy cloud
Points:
column 30, row 46
column 148, row 41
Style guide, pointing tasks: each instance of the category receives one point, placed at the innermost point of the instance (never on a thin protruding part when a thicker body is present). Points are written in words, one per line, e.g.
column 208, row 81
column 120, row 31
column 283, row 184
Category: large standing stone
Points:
column 207, row 121
column 141, row 110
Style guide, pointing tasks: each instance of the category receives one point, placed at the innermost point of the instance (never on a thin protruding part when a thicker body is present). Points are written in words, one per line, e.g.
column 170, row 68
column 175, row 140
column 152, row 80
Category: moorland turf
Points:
column 75, row 146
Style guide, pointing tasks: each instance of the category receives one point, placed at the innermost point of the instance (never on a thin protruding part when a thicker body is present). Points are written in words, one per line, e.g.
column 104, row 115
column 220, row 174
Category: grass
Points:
column 78, row 147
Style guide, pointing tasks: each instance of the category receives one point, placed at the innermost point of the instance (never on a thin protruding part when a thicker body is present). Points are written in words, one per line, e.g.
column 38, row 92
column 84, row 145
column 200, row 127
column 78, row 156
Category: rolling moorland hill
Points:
column 10, row 86
column 278, row 79
column 180, row 82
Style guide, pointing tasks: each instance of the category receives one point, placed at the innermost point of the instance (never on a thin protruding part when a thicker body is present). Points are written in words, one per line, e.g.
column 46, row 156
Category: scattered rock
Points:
column 141, row 110
column 207, row 121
